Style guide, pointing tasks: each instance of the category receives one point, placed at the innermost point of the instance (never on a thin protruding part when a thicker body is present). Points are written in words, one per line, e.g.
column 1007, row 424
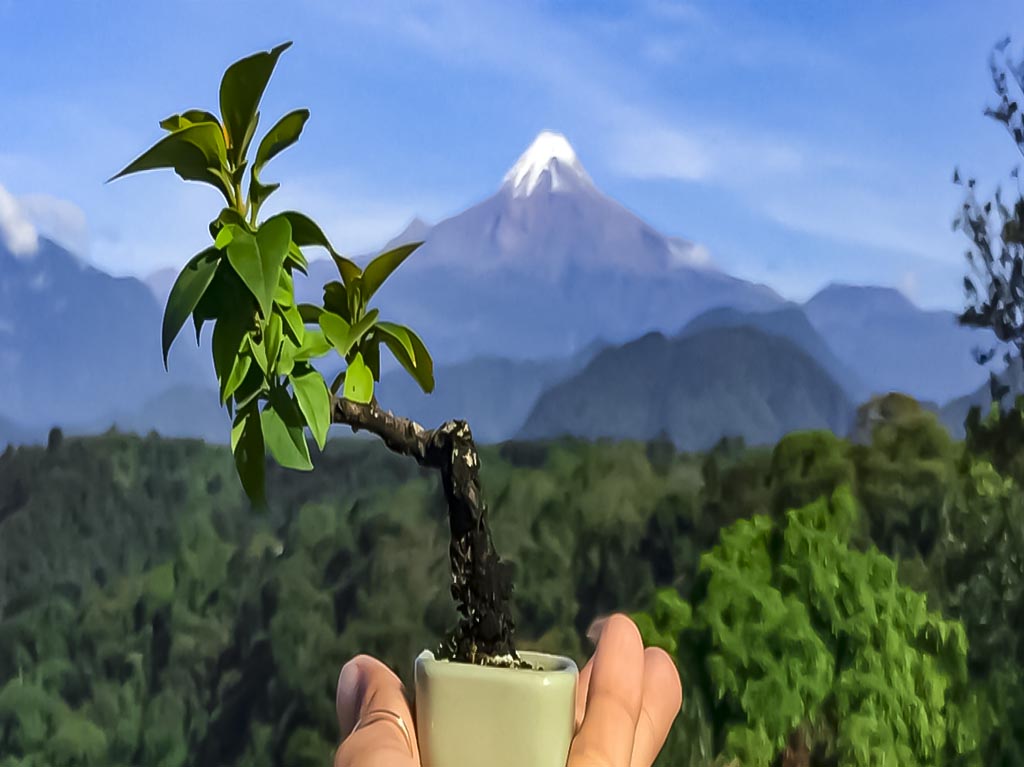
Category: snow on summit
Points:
column 549, row 158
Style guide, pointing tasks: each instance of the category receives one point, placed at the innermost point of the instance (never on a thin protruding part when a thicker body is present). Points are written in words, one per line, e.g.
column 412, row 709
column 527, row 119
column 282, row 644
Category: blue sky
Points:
column 800, row 141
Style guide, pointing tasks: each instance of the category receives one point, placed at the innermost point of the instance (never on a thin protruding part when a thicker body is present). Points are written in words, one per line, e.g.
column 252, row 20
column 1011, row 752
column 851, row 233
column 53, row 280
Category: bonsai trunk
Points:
column 481, row 581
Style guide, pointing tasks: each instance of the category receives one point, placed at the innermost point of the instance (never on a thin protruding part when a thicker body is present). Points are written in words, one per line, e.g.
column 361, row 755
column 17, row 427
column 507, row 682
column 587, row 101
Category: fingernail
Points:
column 594, row 632
column 347, row 698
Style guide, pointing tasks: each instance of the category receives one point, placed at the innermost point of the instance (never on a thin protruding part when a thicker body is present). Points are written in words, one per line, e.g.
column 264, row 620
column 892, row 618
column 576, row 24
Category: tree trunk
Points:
column 481, row 582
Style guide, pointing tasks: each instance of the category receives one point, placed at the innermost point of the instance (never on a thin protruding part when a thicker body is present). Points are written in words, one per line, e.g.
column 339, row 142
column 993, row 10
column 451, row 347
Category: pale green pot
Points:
column 481, row 716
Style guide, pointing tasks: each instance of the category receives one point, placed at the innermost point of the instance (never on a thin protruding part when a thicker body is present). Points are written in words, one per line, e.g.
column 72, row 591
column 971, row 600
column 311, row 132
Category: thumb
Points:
column 374, row 717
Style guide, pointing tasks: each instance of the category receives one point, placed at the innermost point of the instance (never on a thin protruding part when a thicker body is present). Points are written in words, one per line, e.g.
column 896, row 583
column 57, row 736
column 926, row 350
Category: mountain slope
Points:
column 494, row 395
column 75, row 342
column 954, row 413
column 543, row 267
column 697, row 388
column 896, row 346
column 791, row 323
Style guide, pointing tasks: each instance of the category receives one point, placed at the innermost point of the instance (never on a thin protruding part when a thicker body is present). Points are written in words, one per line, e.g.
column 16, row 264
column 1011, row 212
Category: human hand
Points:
column 626, row 700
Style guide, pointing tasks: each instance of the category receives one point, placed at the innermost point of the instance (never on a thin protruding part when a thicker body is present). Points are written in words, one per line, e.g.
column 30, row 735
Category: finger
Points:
column 366, row 685
column 583, row 682
column 662, row 699
column 614, row 698
column 582, row 686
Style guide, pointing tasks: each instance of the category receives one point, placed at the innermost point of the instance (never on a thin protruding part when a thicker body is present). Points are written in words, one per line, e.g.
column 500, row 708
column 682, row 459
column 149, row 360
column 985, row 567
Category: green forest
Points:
column 856, row 601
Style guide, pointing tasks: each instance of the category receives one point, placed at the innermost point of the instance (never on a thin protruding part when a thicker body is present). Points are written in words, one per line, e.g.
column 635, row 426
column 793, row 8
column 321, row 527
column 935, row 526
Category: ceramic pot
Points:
column 470, row 716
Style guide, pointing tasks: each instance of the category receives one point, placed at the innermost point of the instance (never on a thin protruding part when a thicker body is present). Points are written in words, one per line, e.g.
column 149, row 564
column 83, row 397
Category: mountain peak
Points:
column 550, row 158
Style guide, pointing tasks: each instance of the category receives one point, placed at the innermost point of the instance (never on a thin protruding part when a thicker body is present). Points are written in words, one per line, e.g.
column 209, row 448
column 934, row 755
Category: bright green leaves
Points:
column 193, row 281
column 258, row 259
column 410, row 352
column 381, row 267
column 187, row 118
column 241, row 89
column 336, row 331
column 250, row 453
column 358, row 381
column 262, row 340
column 284, row 133
column 283, row 431
column 195, row 153
column 314, row 402
column 231, row 359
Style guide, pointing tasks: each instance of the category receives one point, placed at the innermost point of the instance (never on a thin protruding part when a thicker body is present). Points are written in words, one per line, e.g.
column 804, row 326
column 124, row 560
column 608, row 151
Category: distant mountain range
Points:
column 76, row 342
column 896, row 346
column 696, row 388
column 515, row 296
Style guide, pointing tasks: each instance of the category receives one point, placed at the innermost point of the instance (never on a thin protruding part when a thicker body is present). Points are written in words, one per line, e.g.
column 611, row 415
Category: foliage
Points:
column 243, row 283
column 195, row 633
column 813, row 641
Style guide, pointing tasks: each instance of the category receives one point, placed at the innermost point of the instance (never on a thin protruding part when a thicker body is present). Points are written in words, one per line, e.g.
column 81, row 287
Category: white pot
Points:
column 484, row 716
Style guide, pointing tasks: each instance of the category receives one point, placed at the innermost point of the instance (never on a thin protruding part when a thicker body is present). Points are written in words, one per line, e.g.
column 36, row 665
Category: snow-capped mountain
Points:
column 547, row 217
column 545, row 265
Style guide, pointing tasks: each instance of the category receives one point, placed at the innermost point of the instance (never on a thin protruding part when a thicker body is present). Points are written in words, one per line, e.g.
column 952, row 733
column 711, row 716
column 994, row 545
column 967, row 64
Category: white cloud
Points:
column 659, row 153
column 60, row 220
column 16, row 229
column 355, row 222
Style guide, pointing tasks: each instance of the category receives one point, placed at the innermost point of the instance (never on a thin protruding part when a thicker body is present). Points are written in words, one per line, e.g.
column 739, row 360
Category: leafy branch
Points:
column 264, row 342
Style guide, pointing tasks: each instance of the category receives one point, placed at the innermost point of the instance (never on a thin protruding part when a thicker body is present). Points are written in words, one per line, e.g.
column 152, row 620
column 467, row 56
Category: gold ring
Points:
column 382, row 715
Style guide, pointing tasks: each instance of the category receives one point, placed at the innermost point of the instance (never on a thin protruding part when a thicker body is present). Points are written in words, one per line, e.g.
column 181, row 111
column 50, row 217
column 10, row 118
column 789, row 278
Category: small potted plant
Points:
column 479, row 700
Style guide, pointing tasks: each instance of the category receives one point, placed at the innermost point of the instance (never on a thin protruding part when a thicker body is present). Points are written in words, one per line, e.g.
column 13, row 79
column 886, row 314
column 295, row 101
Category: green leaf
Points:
column 337, row 331
column 347, row 269
column 239, row 369
column 336, row 299
column 254, row 385
column 360, row 328
column 226, row 293
column 283, row 430
column 195, row 153
column 229, row 361
column 314, row 344
column 185, row 119
column 258, row 260
column 315, row 403
column 250, row 453
column 188, row 289
column 371, row 354
column 305, row 232
column 259, row 352
column 418, row 363
column 284, row 133
column 273, row 335
column 225, row 217
column 293, row 325
column 286, row 360
column 259, row 192
column 310, row 313
column 296, row 257
column 358, row 381
column 224, row 237
column 284, row 293
column 380, row 268
column 241, row 89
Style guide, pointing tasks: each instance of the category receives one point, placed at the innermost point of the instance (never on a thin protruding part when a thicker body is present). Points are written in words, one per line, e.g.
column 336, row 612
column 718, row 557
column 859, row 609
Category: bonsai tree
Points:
column 264, row 342
column 801, row 649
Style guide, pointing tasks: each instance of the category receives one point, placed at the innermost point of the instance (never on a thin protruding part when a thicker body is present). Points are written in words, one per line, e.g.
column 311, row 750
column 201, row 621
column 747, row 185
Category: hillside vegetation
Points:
column 148, row 617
